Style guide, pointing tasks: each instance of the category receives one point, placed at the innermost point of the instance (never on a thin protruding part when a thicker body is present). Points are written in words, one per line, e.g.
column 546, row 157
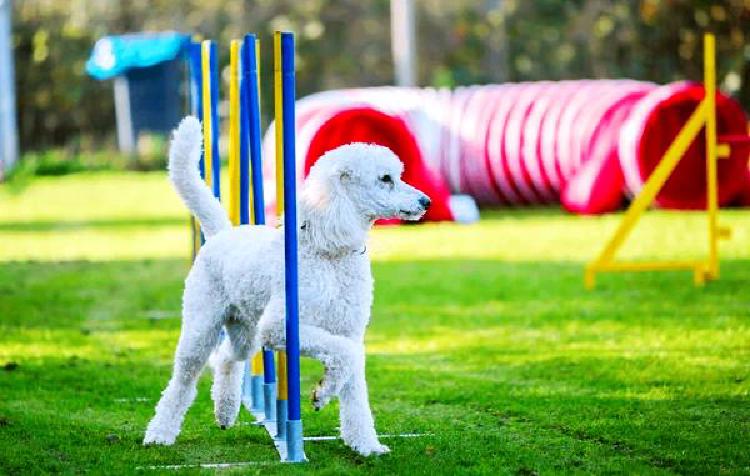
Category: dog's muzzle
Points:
column 424, row 204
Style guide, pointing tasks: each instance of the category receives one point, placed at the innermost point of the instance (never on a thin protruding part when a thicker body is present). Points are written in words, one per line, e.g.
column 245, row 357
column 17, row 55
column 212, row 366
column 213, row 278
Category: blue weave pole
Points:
column 269, row 385
column 252, row 385
column 196, row 106
column 252, row 105
column 196, row 91
column 256, row 392
column 282, row 417
column 295, row 445
column 250, row 76
column 244, row 151
column 215, row 159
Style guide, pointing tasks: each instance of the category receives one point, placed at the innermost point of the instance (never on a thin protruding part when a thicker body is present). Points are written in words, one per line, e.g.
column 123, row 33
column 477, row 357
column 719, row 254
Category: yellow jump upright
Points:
column 704, row 115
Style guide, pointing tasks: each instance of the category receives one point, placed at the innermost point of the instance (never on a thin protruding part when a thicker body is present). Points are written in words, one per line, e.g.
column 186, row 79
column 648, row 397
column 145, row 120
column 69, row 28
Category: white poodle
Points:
column 237, row 282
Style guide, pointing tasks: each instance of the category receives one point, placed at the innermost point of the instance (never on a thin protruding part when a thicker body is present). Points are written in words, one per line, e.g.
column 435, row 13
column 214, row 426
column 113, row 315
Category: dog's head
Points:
column 368, row 176
column 349, row 188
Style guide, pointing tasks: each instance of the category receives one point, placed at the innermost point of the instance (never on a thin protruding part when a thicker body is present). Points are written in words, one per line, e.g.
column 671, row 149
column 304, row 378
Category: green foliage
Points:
column 56, row 162
column 347, row 44
column 482, row 337
column 57, row 103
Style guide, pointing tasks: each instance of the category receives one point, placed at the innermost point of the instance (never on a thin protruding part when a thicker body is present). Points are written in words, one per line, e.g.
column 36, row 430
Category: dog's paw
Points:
column 380, row 450
column 224, row 420
column 375, row 449
column 153, row 438
column 226, row 411
column 319, row 398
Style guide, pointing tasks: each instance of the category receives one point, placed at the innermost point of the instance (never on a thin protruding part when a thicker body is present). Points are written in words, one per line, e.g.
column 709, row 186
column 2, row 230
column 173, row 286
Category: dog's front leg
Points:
column 344, row 361
column 357, row 423
column 339, row 357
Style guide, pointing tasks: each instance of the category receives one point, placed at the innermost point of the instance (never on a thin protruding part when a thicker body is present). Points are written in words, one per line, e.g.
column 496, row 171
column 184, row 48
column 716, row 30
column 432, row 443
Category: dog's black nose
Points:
column 425, row 202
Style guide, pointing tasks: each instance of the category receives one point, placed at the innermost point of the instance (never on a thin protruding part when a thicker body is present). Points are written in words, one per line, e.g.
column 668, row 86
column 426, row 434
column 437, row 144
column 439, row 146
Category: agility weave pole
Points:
column 704, row 115
column 244, row 206
column 252, row 206
column 284, row 60
column 204, row 98
column 263, row 372
column 277, row 409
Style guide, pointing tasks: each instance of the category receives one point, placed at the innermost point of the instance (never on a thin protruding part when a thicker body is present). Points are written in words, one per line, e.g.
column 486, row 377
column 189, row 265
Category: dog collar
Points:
column 303, row 227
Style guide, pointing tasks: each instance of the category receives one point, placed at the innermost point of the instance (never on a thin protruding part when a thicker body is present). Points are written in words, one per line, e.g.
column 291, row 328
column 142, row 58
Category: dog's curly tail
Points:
column 184, row 155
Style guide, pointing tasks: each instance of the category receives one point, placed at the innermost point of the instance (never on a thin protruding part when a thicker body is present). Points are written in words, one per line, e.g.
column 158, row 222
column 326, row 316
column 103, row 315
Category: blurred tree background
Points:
column 343, row 43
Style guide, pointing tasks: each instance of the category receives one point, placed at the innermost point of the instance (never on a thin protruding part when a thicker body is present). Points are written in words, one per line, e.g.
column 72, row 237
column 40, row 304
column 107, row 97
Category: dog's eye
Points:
column 386, row 179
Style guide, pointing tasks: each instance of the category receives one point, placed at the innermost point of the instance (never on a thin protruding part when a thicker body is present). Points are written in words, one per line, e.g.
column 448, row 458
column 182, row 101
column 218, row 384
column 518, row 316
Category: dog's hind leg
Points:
column 229, row 363
column 201, row 326
column 357, row 423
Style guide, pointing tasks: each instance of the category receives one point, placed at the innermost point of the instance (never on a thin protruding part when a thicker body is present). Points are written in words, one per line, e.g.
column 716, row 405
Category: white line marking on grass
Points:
column 332, row 437
column 134, row 399
column 401, row 435
column 177, row 467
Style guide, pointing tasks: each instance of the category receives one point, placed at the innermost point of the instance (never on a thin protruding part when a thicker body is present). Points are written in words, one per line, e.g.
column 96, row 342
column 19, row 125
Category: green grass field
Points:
column 482, row 338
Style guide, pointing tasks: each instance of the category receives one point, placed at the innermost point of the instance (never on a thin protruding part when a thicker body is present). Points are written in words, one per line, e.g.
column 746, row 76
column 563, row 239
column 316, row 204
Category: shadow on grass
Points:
column 75, row 225
column 465, row 293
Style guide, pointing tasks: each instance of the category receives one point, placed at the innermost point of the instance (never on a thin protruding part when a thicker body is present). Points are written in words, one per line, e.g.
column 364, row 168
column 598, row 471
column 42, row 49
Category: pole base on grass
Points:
column 282, row 443
column 295, row 447
column 256, row 393
column 269, row 397
column 281, row 419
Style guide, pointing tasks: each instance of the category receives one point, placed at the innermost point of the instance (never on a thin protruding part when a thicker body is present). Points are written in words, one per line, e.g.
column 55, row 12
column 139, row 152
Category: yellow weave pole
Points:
column 257, row 67
column 279, row 136
column 257, row 364
column 206, row 88
column 279, row 126
column 234, row 132
column 283, row 392
column 195, row 228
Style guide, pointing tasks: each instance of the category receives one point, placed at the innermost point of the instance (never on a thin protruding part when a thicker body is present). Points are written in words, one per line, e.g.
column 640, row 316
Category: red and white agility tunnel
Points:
column 585, row 144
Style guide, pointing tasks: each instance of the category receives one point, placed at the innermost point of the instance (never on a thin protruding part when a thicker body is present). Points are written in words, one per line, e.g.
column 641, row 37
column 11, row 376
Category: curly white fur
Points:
column 237, row 282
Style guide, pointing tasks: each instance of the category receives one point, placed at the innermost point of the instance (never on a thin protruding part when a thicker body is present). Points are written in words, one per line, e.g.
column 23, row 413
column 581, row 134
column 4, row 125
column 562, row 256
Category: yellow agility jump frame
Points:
column 704, row 115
